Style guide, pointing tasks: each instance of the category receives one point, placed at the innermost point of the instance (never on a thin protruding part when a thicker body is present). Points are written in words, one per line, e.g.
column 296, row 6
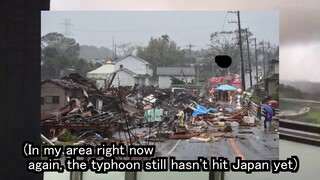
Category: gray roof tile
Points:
column 175, row 71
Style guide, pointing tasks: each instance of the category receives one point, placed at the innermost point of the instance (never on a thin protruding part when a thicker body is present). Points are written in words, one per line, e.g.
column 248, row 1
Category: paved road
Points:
column 295, row 113
column 300, row 100
column 258, row 145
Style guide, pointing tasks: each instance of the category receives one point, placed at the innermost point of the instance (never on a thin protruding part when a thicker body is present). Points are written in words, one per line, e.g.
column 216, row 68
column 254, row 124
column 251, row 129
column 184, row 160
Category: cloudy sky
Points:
column 99, row 27
column 299, row 25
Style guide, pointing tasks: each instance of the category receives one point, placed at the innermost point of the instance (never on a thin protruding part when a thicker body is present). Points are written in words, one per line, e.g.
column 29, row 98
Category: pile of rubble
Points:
column 139, row 114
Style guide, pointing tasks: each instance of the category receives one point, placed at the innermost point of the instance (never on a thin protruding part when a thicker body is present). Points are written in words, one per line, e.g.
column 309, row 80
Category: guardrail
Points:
column 300, row 132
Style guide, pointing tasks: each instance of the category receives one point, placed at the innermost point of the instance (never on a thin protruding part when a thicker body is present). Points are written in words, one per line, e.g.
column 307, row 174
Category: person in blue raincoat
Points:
column 267, row 112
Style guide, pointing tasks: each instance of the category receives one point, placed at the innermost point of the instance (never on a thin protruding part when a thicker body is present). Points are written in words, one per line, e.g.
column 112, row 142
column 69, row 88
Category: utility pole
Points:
column 115, row 51
column 113, row 48
column 268, row 57
column 241, row 54
column 249, row 57
column 256, row 56
column 198, row 81
column 263, row 60
column 190, row 46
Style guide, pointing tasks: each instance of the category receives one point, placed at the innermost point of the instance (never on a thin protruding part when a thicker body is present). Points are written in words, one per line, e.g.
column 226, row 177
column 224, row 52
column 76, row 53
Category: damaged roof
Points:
column 72, row 81
column 176, row 71
column 66, row 84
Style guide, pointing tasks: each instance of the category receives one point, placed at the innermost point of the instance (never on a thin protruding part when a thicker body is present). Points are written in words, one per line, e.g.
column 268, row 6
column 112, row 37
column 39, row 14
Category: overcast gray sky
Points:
column 299, row 25
column 98, row 28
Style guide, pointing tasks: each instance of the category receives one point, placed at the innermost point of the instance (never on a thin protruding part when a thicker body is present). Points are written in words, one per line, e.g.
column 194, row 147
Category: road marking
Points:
column 173, row 148
column 236, row 148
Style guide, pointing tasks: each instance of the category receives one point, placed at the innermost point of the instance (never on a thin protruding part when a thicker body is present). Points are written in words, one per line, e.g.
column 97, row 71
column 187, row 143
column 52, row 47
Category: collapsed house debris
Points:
column 140, row 115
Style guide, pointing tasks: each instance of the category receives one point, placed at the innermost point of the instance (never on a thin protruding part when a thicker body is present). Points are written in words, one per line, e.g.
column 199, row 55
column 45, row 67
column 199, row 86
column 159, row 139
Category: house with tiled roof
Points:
column 186, row 74
column 56, row 93
column 131, row 70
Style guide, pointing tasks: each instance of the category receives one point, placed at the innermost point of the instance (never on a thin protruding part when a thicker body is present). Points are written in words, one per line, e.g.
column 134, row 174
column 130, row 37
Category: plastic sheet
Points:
column 202, row 110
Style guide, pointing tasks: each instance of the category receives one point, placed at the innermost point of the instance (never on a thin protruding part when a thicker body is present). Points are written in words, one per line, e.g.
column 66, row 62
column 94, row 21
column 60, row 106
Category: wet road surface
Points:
column 258, row 145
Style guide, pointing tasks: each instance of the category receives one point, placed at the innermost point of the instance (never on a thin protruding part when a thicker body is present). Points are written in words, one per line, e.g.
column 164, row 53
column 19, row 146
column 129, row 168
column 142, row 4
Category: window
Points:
column 42, row 100
column 49, row 99
column 52, row 99
column 55, row 99
column 121, row 66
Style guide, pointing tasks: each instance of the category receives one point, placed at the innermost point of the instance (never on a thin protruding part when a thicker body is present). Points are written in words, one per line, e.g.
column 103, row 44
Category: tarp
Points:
column 236, row 81
column 226, row 87
column 202, row 110
column 216, row 80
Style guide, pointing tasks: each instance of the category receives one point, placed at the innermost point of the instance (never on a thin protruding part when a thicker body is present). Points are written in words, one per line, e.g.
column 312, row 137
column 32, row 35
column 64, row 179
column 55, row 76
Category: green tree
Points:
column 166, row 37
column 175, row 80
column 127, row 49
column 227, row 43
column 161, row 52
column 59, row 54
column 91, row 52
column 82, row 67
column 291, row 92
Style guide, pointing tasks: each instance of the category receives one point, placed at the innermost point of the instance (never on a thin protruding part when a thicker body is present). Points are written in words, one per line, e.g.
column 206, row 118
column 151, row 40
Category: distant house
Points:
column 274, row 67
column 186, row 74
column 131, row 70
column 55, row 93
column 272, row 80
column 101, row 74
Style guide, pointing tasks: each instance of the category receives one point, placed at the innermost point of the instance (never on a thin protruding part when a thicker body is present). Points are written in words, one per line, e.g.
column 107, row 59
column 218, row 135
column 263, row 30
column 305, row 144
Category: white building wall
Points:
column 124, row 79
column 147, row 81
column 164, row 82
column 134, row 65
column 100, row 83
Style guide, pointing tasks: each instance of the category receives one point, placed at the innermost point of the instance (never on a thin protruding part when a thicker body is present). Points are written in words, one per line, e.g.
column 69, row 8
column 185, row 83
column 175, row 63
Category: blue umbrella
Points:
column 226, row 88
column 269, row 111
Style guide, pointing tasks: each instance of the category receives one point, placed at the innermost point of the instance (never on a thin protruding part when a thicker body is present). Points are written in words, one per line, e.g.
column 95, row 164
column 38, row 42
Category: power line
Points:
column 260, row 21
column 224, row 21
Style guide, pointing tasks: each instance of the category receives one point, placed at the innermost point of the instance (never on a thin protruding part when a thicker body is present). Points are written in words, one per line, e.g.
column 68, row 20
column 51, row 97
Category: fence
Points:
column 255, row 110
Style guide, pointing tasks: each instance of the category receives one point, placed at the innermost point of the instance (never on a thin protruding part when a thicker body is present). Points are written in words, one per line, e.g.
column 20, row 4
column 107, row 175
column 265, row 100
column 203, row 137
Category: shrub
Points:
column 66, row 136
